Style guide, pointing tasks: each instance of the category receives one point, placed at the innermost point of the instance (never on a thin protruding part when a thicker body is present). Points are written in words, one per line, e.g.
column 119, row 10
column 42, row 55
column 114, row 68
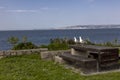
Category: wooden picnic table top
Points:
column 92, row 47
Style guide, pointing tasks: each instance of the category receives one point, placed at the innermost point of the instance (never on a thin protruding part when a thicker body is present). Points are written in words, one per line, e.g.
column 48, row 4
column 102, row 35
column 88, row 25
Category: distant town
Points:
column 90, row 27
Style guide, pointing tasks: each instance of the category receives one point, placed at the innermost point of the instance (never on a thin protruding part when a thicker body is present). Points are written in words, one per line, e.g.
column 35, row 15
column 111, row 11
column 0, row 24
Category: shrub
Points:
column 88, row 42
column 13, row 40
column 27, row 45
column 70, row 41
column 58, row 46
column 44, row 46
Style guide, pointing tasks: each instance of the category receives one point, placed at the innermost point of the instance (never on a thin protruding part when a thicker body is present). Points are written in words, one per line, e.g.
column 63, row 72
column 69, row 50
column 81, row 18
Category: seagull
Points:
column 80, row 40
column 75, row 40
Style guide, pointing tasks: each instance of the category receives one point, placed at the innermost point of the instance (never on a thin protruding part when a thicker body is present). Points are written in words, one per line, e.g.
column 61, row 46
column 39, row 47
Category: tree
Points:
column 24, row 39
column 27, row 45
column 13, row 40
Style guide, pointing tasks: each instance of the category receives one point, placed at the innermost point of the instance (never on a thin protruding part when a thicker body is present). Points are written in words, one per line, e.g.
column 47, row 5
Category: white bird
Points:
column 80, row 40
column 75, row 40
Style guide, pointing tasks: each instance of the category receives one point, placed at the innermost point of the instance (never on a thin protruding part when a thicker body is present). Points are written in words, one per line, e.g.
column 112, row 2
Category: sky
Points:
column 48, row 14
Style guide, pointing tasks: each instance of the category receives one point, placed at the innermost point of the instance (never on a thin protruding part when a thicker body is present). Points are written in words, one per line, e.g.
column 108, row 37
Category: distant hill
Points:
column 90, row 27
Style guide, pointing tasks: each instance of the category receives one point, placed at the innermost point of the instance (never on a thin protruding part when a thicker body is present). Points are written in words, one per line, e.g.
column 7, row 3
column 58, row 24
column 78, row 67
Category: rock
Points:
column 46, row 56
column 59, row 60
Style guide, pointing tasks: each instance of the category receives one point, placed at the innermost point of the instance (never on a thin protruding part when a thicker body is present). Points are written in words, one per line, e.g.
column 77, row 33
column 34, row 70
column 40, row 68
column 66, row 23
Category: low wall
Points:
column 45, row 54
column 50, row 55
column 7, row 53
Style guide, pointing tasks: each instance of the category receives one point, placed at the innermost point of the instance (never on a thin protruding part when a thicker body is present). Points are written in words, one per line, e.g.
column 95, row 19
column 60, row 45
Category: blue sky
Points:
column 45, row 14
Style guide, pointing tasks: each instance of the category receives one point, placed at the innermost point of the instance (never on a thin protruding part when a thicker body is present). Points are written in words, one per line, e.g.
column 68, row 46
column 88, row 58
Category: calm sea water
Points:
column 43, row 36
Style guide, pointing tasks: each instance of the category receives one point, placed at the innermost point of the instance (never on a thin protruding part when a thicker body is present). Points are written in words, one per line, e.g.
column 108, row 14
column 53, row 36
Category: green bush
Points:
column 44, row 46
column 13, row 40
column 70, row 41
column 27, row 45
column 58, row 46
column 88, row 42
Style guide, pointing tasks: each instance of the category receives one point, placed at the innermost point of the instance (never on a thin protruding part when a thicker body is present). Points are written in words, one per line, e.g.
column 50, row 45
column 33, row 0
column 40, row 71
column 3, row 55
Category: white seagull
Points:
column 75, row 40
column 80, row 40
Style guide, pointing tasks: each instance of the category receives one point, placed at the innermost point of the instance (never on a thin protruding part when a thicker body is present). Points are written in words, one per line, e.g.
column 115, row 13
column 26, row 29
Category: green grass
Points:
column 31, row 67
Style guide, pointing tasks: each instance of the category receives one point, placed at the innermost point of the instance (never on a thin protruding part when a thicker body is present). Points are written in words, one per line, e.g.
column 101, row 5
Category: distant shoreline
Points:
column 90, row 27
column 59, row 29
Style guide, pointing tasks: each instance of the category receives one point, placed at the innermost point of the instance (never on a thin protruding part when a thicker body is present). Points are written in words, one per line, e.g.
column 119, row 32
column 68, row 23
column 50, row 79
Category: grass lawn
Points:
column 30, row 67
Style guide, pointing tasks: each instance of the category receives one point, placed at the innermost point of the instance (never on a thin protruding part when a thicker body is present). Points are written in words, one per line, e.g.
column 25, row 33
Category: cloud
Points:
column 1, row 7
column 22, row 11
column 28, row 10
column 47, row 8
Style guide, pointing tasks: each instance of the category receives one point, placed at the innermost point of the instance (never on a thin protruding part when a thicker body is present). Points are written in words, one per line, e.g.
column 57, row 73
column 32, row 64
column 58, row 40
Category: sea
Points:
column 40, row 37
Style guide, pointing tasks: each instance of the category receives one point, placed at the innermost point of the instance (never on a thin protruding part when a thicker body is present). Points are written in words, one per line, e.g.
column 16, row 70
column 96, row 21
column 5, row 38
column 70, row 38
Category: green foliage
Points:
column 22, row 45
column 13, row 40
column 108, row 43
column 30, row 67
column 43, row 46
column 70, row 41
column 55, row 44
column 113, row 43
column 60, row 41
column 27, row 45
column 88, row 42
column 58, row 46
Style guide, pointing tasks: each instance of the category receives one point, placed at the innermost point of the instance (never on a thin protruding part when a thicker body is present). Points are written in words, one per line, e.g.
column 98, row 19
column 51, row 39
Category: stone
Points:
column 46, row 56
column 59, row 60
